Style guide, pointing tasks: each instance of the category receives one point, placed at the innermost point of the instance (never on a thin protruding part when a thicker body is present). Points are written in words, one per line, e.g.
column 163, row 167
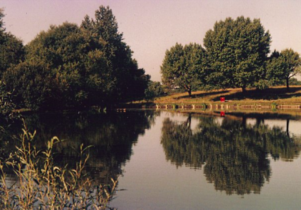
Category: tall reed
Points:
column 41, row 184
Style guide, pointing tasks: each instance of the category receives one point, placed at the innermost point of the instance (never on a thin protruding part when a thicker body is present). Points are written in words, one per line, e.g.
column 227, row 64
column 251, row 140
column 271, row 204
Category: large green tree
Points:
column 126, row 79
column 237, row 50
column 283, row 66
column 52, row 69
column 33, row 86
column 84, row 66
column 184, row 67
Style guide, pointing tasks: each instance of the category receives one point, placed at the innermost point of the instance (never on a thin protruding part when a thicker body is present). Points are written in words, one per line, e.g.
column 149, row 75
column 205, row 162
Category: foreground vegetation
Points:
column 112, row 141
column 41, row 184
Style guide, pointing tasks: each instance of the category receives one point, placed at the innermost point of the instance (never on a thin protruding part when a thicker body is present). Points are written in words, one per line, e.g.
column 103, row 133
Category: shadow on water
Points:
column 234, row 154
column 112, row 136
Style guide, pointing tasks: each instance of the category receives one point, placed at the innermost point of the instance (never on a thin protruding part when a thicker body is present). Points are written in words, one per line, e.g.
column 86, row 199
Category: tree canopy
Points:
column 283, row 66
column 11, row 48
column 154, row 89
column 77, row 66
column 183, row 67
column 237, row 51
column 11, row 53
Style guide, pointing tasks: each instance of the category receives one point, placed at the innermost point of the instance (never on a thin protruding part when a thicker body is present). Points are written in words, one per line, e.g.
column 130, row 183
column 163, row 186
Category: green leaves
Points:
column 154, row 89
column 235, row 56
column 11, row 48
column 237, row 49
column 69, row 66
column 183, row 67
column 6, row 104
column 283, row 66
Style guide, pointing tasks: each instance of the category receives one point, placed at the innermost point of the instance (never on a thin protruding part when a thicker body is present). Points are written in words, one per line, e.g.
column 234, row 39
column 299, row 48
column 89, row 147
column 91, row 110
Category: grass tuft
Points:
column 41, row 184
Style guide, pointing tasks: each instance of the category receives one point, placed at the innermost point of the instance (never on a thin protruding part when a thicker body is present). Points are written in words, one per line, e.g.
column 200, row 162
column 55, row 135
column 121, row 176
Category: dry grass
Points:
column 41, row 184
column 275, row 94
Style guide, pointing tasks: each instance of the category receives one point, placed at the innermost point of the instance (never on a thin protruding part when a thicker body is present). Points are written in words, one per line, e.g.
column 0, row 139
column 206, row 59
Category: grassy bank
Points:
column 271, row 99
column 277, row 95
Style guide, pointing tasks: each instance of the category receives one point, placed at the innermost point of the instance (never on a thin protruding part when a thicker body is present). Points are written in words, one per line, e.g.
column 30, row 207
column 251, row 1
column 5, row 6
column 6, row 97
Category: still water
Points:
column 167, row 160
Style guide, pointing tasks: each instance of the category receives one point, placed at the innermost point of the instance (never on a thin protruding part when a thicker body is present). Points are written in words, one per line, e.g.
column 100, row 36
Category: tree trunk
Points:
column 189, row 93
column 243, row 90
column 287, row 84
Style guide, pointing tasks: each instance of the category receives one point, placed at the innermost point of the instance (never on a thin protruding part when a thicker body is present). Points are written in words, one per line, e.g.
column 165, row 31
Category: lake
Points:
column 169, row 160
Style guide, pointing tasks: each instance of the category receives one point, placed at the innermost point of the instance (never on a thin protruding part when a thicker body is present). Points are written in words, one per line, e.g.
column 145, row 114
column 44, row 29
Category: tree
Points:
column 32, row 86
column 11, row 48
column 11, row 53
column 274, row 73
column 84, row 66
column 50, row 76
column 126, row 79
column 6, row 104
column 283, row 66
column 154, row 89
column 1, row 21
column 237, row 50
column 184, row 67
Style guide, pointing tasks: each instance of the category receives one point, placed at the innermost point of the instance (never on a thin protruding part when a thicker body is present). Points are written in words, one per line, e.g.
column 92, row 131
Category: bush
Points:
column 6, row 104
column 154, row 89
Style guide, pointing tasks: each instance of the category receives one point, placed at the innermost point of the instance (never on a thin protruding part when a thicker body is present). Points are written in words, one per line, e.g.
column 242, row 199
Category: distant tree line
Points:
column 71, row 66
column 235, row 55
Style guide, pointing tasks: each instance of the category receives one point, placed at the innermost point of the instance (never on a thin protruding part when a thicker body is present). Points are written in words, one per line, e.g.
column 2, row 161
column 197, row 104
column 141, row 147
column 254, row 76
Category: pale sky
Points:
column 150, row 27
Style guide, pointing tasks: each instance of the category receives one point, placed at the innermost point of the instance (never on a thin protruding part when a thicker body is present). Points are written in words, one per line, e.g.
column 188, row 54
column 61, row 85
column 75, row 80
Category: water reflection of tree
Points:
column 234, row 154
column 112, row 136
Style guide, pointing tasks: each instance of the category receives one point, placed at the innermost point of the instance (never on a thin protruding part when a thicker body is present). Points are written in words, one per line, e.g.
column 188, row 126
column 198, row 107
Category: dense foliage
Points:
column 6, row 104
column 235, row 56
column 11, row 53
column 237, row 50
column 154, row 89
column 283, row 66
column 183, row 67
column 11, row 48
column 72, row 66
